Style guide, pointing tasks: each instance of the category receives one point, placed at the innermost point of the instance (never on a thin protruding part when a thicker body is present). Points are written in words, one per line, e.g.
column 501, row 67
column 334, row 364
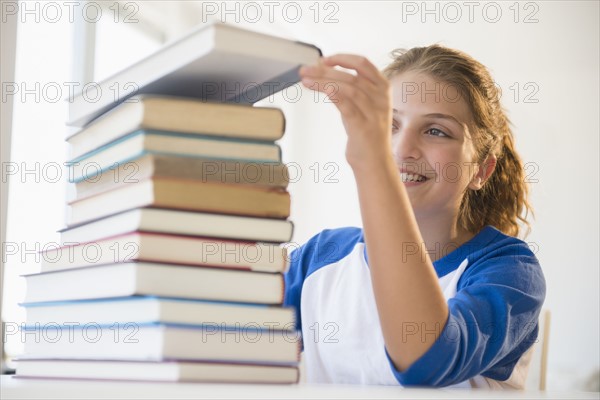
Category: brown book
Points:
column 183, row 194
column 182, row 115
column 271, row 174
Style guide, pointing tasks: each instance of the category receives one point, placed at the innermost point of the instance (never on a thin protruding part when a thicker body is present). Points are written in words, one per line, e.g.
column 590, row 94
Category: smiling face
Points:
column 432, row 144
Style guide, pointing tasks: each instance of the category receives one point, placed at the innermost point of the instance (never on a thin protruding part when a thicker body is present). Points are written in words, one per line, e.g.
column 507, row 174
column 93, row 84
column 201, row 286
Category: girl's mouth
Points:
column 413, row 178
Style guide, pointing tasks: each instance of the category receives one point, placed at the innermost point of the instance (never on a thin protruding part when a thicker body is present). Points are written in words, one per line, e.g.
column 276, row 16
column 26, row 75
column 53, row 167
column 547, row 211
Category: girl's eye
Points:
column 436, row 132
column 395, row 128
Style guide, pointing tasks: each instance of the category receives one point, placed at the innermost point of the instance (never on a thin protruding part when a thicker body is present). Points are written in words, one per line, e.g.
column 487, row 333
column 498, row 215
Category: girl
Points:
column 435, row 290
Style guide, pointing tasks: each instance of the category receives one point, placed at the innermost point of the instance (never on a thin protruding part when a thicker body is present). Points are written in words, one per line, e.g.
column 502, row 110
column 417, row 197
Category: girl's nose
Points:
column 406, row 144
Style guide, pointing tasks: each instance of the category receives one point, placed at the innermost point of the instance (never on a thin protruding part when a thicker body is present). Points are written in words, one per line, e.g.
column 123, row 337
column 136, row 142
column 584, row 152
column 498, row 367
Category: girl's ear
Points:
column 484, row 172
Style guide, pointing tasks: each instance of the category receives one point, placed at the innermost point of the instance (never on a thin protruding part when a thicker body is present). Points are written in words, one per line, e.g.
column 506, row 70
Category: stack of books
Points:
column 171, row 262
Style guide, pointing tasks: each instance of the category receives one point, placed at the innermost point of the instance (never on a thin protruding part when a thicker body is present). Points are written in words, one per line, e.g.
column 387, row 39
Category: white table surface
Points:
column 19, row 388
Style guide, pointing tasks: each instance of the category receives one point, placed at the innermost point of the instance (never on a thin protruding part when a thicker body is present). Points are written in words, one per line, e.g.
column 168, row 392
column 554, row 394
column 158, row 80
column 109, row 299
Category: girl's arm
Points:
column 411, row 306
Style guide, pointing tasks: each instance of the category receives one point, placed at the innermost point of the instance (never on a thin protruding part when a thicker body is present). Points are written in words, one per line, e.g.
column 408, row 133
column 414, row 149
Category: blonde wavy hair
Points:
column 503, row 200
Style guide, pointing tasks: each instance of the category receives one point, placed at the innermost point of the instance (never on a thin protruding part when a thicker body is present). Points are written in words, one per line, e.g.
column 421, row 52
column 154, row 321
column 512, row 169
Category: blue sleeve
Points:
column 493, row 320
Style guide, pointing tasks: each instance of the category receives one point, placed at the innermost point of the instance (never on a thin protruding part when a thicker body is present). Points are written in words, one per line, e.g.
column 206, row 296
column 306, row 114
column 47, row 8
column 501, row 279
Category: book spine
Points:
column 293, row 226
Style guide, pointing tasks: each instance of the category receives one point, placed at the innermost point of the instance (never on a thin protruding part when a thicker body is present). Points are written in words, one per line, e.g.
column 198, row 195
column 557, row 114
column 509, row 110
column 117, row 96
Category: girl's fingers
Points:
column 360, row 64
column 330, row 76
column 362, row 99
column 348, row 100
column 323, row 72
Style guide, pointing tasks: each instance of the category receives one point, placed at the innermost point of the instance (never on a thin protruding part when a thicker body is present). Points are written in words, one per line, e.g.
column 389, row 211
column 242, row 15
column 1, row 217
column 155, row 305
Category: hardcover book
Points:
column 181, row 115
column 150, row 309
column 175, row 249
column 183, row 194
column 272, row 174
column 155, row 279
column 161, row 342
column 125, row 150
column 181, row 223
column 166, row 371
column 216, row 62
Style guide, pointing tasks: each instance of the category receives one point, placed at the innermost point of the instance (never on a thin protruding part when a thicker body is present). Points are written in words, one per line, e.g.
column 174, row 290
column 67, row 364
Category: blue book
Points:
column 131, row 147
column 119, row 312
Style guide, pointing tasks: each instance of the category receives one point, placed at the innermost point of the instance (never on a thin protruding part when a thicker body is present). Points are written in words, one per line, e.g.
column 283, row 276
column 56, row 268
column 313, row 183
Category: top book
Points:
column 217, row 62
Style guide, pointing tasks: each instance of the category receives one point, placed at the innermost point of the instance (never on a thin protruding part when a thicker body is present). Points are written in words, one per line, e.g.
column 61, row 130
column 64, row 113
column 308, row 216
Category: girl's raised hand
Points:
column 364, row 101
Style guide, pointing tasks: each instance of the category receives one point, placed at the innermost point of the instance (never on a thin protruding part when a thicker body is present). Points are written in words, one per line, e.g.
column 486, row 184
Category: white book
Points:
column 167, row 248
column 154, row 279
column 149, row 309
column 216, row 62
column 167, row 371
column 162, row 342
column 181, row 223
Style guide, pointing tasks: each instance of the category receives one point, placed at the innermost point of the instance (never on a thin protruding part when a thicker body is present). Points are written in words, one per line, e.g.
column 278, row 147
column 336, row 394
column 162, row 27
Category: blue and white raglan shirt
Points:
column 494, row 287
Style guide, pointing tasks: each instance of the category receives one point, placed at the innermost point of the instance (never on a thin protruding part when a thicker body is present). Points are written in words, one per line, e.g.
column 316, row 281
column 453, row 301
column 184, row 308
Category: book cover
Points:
column 153, row 371
column 181, row 223
column 181, row 115
column 183, row 194
column 216, row 62
column 155, row 279
column 125, row 150
column 168, row 248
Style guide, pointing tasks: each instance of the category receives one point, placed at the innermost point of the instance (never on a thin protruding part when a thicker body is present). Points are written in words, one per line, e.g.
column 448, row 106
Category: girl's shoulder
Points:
column 497, row 258
column 492, row 244
column 329, row 245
